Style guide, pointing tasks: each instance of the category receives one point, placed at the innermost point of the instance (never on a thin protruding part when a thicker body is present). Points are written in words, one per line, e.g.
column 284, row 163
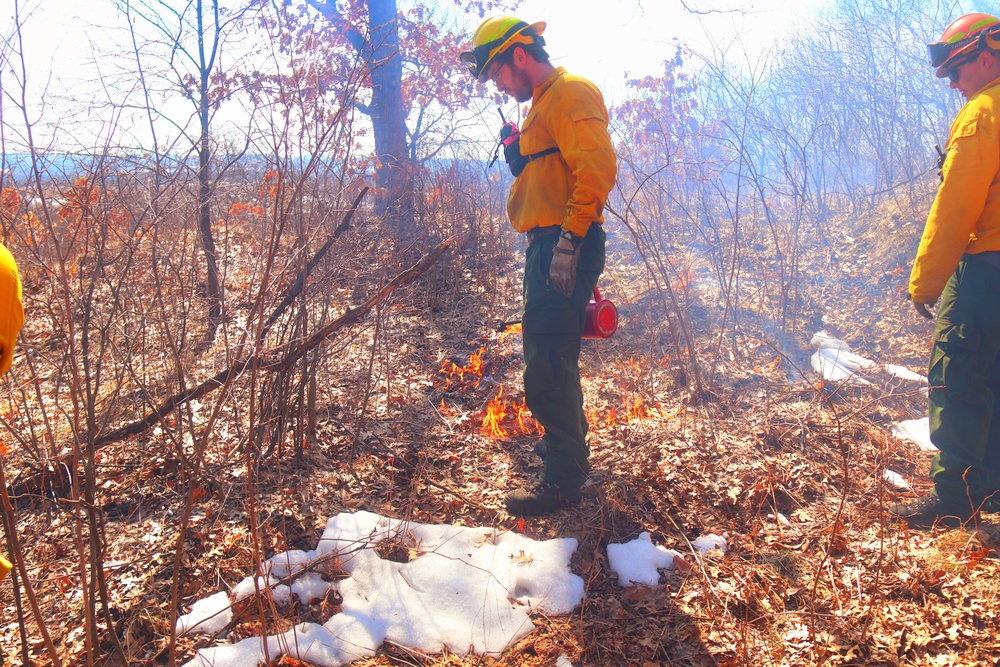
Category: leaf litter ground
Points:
column 789, row 469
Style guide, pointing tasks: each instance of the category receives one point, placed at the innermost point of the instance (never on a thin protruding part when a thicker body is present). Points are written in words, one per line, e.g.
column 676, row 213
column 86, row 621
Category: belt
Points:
column 991, row 257
column 536, row 233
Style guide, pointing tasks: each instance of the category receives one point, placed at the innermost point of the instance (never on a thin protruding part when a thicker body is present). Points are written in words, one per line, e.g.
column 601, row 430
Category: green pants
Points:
column 553, row 327
column 964, row 377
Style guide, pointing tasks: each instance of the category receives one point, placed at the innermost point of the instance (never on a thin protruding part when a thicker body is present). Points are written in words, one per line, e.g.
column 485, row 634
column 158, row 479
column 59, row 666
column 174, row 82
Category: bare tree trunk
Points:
column 379, row 50
column 394, row 179
column 213, row 286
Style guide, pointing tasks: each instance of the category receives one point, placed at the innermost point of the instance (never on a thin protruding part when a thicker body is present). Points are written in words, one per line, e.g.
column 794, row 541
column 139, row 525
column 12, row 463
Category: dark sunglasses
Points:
column 953, row 74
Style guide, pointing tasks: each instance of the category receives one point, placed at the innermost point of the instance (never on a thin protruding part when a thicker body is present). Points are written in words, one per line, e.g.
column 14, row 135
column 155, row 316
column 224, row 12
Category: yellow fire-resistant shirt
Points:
column 568, row 188
column 965, row 216
column 11, row 311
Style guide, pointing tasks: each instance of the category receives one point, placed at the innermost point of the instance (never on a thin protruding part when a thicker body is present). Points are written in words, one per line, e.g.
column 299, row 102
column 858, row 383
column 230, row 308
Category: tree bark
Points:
column 213, row 285
column 379, row 50
column 393, row 178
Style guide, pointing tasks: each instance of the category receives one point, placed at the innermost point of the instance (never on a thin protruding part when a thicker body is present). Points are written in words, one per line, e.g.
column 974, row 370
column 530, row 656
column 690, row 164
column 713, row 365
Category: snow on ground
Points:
column 904, row 373
column 467, row 589
column 895, row 480
column 917, row 431
column 834, row 361
column 207, row 616
column 710, row 542
column 639, row 561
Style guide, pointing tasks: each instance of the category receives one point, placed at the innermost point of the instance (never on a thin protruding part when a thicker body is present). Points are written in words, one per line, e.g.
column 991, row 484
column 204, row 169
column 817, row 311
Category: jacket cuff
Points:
column 577, row 228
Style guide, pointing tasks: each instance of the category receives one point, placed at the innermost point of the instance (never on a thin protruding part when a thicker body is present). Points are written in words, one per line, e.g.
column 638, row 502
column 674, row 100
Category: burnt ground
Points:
column 837, row 585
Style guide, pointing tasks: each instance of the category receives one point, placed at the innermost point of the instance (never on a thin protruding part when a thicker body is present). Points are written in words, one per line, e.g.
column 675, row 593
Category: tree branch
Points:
column 300, row 282
column 262, row 361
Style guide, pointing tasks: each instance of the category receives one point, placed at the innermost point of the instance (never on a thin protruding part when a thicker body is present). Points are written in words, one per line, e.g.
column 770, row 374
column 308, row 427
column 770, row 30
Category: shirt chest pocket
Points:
column 534, row 136
column 963, row 146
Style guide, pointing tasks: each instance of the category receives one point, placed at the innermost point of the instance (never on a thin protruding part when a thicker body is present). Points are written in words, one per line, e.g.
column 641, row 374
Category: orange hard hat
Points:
column 965, row 36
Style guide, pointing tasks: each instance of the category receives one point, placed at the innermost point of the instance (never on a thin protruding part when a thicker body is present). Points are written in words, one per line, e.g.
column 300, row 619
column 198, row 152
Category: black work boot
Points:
column 540, row 449
column 541, row 499
column 928, row 510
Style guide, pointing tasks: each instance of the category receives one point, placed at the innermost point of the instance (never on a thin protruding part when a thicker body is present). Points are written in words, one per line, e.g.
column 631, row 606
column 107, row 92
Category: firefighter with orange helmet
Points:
column 564, row 167
column 958, row 262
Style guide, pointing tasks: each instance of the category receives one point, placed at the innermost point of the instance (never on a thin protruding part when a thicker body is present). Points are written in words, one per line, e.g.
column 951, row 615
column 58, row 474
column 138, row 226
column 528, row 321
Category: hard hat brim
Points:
column 479, row 71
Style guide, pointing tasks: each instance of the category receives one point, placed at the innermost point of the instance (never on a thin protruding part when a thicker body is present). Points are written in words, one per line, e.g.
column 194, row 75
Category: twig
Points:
column 264, row 361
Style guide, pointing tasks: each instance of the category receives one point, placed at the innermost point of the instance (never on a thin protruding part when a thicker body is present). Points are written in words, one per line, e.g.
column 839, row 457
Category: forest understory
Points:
column 421, row 418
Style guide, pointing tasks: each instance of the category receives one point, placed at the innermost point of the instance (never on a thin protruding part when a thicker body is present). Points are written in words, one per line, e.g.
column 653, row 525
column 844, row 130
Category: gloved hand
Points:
column 565, row 256
column 923, row 309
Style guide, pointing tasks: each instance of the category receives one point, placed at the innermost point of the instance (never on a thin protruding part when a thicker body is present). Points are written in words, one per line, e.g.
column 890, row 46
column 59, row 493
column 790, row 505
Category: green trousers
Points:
column 553, row 328
column 964, row 377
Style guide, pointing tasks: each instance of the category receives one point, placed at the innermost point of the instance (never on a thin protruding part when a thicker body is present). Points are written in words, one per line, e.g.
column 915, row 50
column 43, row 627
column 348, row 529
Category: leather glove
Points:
column 923, row 309
column 565, row 256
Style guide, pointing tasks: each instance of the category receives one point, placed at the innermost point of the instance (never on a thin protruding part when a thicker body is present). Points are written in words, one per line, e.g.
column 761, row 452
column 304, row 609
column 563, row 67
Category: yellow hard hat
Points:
column 495, row 36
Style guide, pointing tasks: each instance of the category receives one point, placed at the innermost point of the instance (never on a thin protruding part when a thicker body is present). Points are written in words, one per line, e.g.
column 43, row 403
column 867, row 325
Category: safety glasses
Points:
column 939, row 51
column 954, row 74
column 476, row 59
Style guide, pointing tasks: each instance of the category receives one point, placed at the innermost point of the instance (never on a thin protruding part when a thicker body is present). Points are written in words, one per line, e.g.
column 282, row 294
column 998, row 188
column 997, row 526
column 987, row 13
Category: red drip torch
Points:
column 601, row 320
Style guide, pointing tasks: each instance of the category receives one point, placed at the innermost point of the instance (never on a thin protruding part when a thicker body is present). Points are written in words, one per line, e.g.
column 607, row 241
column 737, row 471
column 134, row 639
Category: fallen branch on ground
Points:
column 270, row 360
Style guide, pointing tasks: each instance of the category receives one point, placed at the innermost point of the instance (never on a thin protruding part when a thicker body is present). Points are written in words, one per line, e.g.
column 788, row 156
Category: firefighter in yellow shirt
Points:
column 11, row 312
column 958, row 261
column 11, row 319
column 564, row 167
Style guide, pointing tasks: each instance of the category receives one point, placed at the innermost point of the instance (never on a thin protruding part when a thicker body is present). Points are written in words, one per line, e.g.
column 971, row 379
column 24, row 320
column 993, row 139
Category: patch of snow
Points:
column 208, row 616
column 467, row 589
column 638, row 561
column 896, row 480
column 780, row 518
column 834, row 361
column 311, row 587
column 288, row 563
column 247, row 653
column 917, row 431
column 904, row 373
column 707, row 543
column 246, row 588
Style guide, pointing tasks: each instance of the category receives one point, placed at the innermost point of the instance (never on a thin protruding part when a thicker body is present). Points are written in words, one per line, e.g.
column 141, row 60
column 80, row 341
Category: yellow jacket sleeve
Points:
column 580, row 129
column 11, row 310
column 965, row 215
column 570, row 187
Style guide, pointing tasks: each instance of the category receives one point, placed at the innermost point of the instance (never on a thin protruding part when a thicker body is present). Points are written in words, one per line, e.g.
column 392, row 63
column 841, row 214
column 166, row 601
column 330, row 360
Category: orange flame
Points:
column 496, row 410
column 635, row 409
column 518, row 419
column 454, row 376
column 526, row 424
column 510, row 331
column 638, row 410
